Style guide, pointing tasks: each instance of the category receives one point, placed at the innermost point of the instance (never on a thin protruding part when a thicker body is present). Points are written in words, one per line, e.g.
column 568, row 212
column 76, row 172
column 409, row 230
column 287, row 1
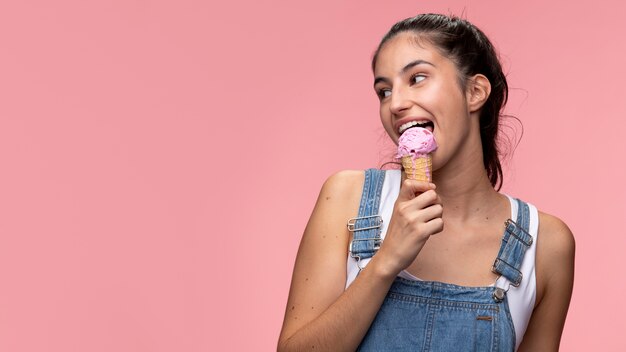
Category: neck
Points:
column 464, row 187
column 467, row 196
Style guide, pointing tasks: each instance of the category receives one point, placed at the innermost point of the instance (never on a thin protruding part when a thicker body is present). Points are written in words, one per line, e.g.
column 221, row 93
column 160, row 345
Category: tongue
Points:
column 428, row 126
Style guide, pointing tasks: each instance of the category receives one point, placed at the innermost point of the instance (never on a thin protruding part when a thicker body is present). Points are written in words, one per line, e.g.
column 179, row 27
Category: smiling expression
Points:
column 415, row 83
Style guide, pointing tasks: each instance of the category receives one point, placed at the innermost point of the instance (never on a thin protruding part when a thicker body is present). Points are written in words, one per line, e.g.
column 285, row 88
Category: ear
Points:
column 478, row 90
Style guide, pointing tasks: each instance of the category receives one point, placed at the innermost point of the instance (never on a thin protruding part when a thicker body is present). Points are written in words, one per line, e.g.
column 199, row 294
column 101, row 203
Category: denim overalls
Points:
column 436, row 316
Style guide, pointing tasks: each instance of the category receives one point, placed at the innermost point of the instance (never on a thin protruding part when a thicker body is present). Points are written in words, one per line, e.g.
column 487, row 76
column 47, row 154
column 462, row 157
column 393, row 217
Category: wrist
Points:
column 382, row 269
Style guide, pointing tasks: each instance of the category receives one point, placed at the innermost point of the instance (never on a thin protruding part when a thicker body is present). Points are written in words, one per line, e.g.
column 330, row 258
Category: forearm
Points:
column 342, row 326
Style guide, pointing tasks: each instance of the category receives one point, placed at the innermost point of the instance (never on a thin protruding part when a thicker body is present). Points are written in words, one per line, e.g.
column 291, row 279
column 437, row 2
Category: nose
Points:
column 399, row 101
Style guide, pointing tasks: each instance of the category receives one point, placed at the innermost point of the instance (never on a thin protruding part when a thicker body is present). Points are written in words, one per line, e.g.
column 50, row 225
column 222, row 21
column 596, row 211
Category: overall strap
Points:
column 366, row 227
column 515, row 241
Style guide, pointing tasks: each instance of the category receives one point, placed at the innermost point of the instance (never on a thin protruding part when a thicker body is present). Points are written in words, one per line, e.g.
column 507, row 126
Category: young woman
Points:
column 452, row 265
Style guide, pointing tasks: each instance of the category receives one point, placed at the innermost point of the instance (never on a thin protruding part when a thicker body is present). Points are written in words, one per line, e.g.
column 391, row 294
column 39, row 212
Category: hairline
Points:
column 418, row 38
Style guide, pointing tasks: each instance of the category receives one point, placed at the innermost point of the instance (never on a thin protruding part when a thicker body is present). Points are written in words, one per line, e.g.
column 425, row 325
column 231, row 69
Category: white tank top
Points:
column 521, row 299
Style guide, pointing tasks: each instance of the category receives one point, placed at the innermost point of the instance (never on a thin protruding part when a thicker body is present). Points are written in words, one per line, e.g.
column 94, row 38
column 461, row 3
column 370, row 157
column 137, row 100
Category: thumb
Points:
column 411, row 188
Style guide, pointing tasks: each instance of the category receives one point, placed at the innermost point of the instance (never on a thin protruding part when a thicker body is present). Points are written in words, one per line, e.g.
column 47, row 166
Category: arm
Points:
column 555, row 281
column 320, row 315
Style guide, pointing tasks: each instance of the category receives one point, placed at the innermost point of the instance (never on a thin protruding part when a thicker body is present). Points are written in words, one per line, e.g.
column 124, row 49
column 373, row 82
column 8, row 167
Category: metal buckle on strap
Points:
column 498, row 295
column 352, row 223
column 509, row 222
column 495, row 270
column 377, row 242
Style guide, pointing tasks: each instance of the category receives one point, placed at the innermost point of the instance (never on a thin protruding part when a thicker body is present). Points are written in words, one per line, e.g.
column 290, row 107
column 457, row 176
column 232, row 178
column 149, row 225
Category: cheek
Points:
column 435, row 99
column 448, row 105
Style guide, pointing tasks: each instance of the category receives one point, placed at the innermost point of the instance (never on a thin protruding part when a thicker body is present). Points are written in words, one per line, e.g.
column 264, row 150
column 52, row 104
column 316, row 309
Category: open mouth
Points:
column 429, row 125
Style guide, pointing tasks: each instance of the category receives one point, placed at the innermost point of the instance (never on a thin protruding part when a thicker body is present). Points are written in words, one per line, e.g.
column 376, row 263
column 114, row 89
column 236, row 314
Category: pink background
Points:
column 131, row 221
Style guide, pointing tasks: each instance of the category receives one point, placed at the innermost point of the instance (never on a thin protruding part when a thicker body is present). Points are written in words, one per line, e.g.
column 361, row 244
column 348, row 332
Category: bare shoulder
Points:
column 343, row 184
column 337, row 202
column 556, row 238
column 556, row 249
column 339, row 197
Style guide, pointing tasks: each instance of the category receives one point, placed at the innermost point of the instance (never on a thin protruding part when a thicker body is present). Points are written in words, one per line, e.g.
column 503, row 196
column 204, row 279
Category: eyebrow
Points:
column 403, row 70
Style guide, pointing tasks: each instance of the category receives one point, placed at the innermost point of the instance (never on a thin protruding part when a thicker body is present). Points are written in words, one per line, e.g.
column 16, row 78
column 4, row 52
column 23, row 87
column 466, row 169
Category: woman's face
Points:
column 416, row 83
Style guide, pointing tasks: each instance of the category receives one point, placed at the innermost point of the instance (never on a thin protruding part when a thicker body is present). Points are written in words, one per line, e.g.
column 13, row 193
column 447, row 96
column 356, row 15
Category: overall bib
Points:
column 436, row 316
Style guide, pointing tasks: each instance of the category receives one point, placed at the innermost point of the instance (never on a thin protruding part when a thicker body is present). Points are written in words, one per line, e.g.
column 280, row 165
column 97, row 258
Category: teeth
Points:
column 409, row 124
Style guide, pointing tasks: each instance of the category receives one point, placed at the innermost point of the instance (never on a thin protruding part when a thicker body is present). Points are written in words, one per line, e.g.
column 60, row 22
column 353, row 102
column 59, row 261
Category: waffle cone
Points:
column 419, row 169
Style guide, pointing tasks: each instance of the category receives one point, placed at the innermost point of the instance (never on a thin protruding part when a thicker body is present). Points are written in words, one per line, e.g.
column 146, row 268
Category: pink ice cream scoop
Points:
column 414, row 148
column 416, row 141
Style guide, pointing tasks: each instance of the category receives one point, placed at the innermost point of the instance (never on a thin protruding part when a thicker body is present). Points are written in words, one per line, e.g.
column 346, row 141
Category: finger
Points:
column 420, row 202
column 433, row 226
column 411, row 188
column 429, row 213
column 425, row 199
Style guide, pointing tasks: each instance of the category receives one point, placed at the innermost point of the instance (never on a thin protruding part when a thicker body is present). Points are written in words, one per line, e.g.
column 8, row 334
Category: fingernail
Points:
column 432, row 185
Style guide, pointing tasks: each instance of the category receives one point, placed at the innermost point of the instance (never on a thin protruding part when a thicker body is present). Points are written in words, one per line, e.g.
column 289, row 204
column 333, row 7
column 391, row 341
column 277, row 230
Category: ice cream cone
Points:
column 415, row 146
column 419, row 169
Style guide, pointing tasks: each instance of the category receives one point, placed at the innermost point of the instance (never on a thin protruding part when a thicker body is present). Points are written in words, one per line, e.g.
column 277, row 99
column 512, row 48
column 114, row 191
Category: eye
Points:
column 417, row 78
column 383, row 93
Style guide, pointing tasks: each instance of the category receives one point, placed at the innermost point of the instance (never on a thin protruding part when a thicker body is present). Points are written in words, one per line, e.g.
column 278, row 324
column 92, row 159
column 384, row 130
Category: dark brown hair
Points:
column 472, row 52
